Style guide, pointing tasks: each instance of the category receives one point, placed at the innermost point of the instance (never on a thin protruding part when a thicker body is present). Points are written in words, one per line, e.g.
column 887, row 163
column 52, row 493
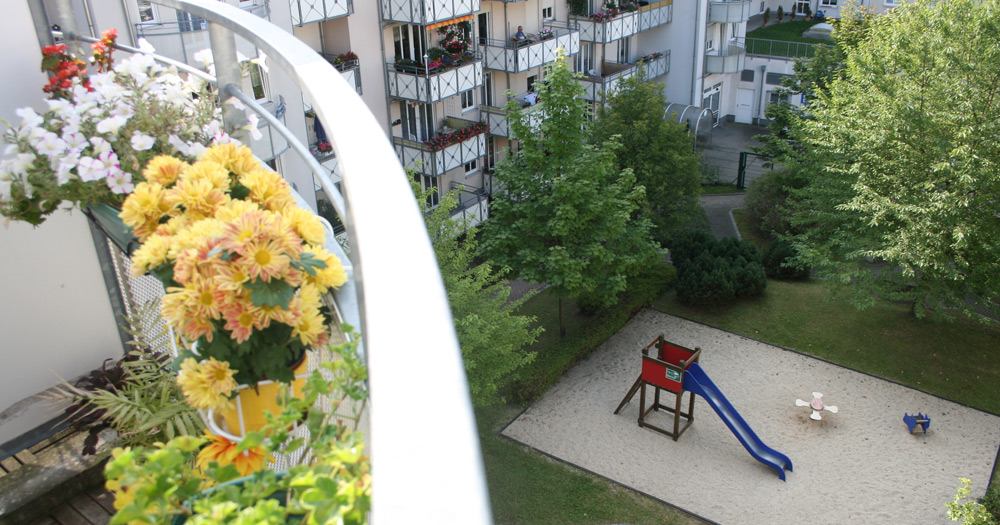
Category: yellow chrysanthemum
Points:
column 311, row 328
column 268, row 189
column 238, row 233
column 163, row 170
column 332, row 276
column 199, row 197
column 305, row 224
column 235, row 209
column 264, row 260
column 151, row 254
column 143, row 209
column 207, row 384
column 178, row 309
column 213, row 172
column 236, row 159
column 224, row 452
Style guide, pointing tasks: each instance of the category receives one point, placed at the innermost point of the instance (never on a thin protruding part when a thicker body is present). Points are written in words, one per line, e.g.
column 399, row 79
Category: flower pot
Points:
column 106, row 219
column 251, row 404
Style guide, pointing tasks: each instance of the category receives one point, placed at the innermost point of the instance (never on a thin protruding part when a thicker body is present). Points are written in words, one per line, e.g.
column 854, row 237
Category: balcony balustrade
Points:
column 729, row 59
column 625, row 24
column 399, row 269
column 424, row 12
column 728, row 11
column 599, row 87
column 435, row 163
column 780, row 48
column 496, row 117
column 308, row 11
column 517, row 57
column 180, row 39
column 350, row 69
column 420, row 84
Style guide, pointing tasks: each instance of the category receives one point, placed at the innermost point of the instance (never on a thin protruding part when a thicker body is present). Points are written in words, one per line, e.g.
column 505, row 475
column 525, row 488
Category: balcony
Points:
column 424, row 12
column 626, row 24
column 417, row 83
column 728, row 11
column 599, row 87
column 181, row 38
column 350, row 69
column 727, row 60
column 518, row 57
column 308, row 11
column 436, row 162
column 496, row 117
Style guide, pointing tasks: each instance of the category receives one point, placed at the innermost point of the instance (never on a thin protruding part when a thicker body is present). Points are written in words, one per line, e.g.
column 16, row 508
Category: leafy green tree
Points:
column 659, row 152
column 565, row 215
column 492, row 335
column 906, row 148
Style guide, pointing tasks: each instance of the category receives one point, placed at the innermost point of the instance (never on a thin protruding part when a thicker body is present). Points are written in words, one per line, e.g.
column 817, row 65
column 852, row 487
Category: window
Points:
column 531, row 82
column 487, row 96
column 828, row 3
column 429, row 184
column 773, row 97
column 774, row 79
column 762, row 6
column 624, row 49
column 585, row 59
column 471, row 167
column 747, row 75
column 416, row 121
column 257, row 82
column 491, row 152
column 889, row 2
column 409, row 42
column 547, row 13
column 468, row 100
column 187, row 22
column 147, row 12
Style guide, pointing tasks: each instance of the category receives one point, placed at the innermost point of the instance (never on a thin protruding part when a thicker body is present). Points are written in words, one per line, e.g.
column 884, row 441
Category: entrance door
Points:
column 484, row 28
column 744, row 106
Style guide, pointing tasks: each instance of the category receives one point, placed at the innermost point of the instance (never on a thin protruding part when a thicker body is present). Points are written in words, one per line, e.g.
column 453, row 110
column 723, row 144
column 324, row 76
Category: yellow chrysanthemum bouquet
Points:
column 243, row 265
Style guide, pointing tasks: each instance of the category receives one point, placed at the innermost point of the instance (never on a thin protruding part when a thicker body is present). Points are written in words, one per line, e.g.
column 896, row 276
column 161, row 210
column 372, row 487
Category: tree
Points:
column 906, row 146
column 493, row 336
column 565, row 215
column 657, row 150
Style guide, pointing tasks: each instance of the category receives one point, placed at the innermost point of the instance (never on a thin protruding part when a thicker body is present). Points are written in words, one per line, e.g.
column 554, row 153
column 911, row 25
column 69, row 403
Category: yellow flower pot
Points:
column 253, row 403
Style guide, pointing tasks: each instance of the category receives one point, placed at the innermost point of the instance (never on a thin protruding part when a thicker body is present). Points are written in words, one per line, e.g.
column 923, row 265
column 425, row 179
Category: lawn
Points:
column 784, row 39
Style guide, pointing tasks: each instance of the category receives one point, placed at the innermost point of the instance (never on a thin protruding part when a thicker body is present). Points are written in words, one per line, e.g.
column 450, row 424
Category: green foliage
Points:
column 767, row 15
column 578, row 7
column 657, row 150
column 903, row 151
column 780, row 261
column 767, row 197
column 714, row 272
column 330, row 484
column 991, row 502
column 781, row 13
column 967, row 510
column 493, row 336
column 566, row 215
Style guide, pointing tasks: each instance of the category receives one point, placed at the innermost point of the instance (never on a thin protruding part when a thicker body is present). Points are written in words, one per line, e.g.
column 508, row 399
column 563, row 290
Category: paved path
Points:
column 719, row 209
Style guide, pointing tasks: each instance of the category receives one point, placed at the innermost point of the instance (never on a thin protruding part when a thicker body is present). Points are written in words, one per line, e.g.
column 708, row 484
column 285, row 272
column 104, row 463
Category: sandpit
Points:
column 860, row 465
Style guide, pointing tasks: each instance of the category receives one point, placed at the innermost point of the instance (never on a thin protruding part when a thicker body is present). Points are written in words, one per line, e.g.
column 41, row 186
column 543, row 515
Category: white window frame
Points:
column 548, row 13
column 468, row 98
column 148, row 7
column 249, row 84
column 624, row 50
column 471, row 167
column 427, row 182
column 828, row 3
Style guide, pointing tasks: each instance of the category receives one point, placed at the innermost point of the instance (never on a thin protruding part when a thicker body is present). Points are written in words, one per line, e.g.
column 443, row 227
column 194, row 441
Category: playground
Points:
column 858, row 464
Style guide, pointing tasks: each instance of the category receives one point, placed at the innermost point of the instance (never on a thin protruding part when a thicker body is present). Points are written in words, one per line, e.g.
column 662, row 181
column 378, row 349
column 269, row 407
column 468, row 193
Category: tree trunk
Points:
column 562, row 326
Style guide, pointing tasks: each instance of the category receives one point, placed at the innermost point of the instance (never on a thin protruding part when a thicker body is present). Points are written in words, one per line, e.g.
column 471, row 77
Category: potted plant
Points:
column 781, row 13
column 767, row 16
column 244, row 268
column 808, row 12
column 545, row 33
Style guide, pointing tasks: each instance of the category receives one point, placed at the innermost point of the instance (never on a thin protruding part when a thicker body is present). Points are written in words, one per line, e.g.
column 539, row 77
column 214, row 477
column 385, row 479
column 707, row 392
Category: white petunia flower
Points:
column 74, row 139
column 111, row 124
column 120, row 182
column 205, row 57
column 19, row 164
column 197, row 149
column 29, row 118
column 254, row 132
column 145, row 46
column 142, row 142
column 100, row 145
column 64, row 171
column 60, row 106
column 179, row 145
column 51, row 145
column 90, row 169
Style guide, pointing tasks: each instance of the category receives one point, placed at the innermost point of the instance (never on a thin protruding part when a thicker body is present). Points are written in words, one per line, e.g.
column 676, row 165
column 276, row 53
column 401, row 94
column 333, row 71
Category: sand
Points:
column 860, row 465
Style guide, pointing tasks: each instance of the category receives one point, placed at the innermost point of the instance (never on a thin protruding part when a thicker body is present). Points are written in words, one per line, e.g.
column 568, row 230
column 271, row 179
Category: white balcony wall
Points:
column 437, row 163
column 434, row 87
column 728, row 12
column 598, row 88
column 727, row 61
column 625, row 24
column 499, row 124
column 426, row 11
column 308, row 11
column 520, row 59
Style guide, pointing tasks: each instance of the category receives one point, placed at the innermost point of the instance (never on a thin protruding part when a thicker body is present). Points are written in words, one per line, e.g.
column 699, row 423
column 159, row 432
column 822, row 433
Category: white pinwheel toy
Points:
column 817, row 406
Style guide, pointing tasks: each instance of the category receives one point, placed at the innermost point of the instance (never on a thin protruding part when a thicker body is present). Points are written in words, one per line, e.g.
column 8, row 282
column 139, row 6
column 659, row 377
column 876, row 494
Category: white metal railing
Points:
column 729, row 59
column 393, row 274
column 308, row 11
column 517, row 57
column 499, row 124
column 728, row 11
column 625, row 24
column 600, row 87
column 419, row 84
column 423, row 12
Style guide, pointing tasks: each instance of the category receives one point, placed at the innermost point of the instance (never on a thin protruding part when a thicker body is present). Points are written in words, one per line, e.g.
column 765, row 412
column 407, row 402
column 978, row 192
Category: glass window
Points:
column 146, row 11
column 187, row 22
column 547, row 13
column 471, row 167
column 430, row 184
column 747, row 75
column 773, row 97
column 774, row 79
column 257, row 82
column 468, row 99
column 828, row 3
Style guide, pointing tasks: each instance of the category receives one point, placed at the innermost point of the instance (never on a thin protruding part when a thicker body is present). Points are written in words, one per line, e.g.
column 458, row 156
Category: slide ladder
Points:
column 697, row 382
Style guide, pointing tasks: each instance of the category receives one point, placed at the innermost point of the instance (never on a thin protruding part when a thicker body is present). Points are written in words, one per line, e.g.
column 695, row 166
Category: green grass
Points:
column 785, row 38
column 749, row 233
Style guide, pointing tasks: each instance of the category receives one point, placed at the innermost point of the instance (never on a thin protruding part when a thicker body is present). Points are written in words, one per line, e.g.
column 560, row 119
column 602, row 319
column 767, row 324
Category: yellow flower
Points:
column 199, row 197
column 311, row 329
column 305, row 224
column 235, row 209
column 163, row 170
column 143, row 209
column 151, row 254
column 332, row 276
column 123, row 495
column 236, row 159
column 213, row 172
column 268, row 189
column 223, row 452
column 206, row 384
column 264, row 260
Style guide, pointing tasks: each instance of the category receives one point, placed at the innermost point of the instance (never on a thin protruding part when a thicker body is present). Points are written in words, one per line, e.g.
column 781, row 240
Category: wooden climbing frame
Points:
column 664, row 371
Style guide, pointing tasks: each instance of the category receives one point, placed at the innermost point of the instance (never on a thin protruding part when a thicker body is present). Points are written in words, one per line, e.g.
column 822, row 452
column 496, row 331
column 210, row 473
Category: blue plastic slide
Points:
column 697, row 382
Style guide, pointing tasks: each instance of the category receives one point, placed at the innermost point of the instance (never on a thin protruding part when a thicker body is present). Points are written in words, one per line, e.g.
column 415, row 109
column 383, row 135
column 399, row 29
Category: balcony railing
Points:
column 308, row 11
column 599, row 87
column 728, row 11
column 423, row 12
column 729, row 59
column 496, row 117
column 400, row 278
column 418, row 84
column 780, row 48
column 180, row 39
column 625, row 24
column 350, row 69
column 435, row 163
column 517, row 57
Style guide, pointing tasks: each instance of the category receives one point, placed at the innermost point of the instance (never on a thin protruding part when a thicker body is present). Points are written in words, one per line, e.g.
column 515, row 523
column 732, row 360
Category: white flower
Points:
column 205, row 57
column 142, row 142
column 213, row 129
column 254, row 132
column 145, row 46
column 59, row 106
column 111, row 124
column 179, row 145
column 100, row 145
column 197, row 149
column 4, row 186
column 90, row 169
column 51, row 145
column 29, row 118
column 120, row 182
column 64, row 171
column 74, row 139
column 19, row 164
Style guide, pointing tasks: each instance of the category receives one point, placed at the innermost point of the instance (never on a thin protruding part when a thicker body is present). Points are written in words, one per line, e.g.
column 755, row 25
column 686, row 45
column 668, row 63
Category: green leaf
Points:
column 309, row 263
column 271, row 293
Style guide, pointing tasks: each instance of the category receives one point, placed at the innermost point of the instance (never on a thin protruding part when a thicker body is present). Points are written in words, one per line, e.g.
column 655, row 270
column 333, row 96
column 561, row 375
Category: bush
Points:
column 707, row 280
column 713, row 272
column 688, row 244
column 749, row 278
column 766, row 199
column 778, row 261
column 991, row 501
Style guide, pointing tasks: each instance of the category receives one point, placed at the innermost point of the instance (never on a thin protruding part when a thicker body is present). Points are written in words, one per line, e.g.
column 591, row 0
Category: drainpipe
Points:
column 131, row 27
column 760, row 96
column 694, row 58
